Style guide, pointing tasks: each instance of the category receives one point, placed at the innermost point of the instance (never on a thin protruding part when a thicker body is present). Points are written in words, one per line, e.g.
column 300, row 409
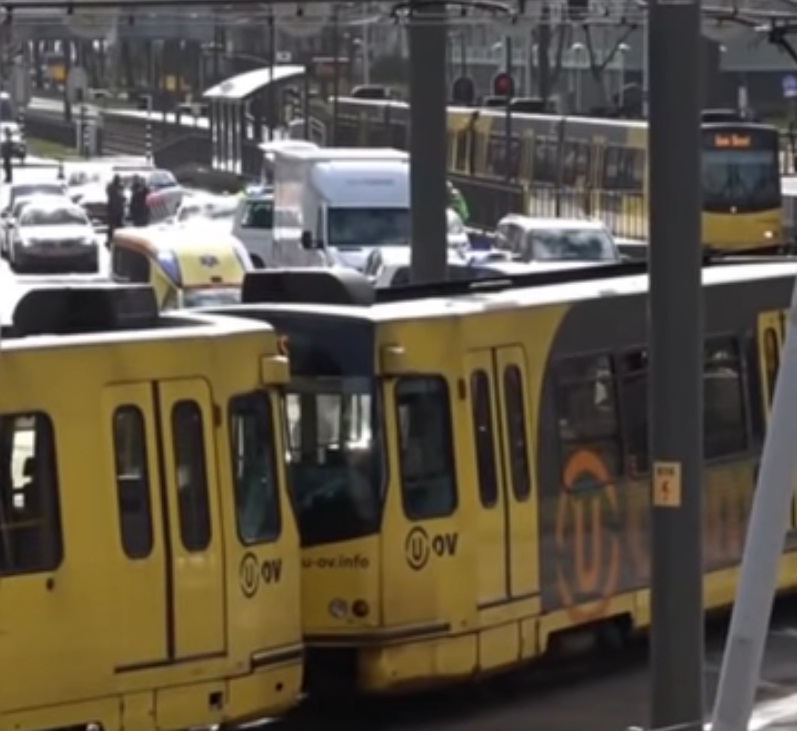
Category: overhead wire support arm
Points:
column 777, row 36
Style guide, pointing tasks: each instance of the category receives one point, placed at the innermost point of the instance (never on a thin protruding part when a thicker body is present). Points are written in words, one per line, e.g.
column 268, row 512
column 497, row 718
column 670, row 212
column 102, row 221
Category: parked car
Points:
column 53, row 234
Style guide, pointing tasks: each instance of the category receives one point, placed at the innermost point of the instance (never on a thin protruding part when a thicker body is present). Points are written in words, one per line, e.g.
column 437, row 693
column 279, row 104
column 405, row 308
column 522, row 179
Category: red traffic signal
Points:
column 503, row 85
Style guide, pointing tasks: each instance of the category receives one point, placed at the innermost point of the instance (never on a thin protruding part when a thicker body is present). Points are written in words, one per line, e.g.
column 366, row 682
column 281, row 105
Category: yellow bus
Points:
column 149, row 563
column 469, row 461
column 581, row 166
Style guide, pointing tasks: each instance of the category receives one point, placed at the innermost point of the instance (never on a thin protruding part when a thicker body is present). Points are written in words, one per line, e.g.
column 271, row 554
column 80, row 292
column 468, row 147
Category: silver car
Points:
column 53, row 235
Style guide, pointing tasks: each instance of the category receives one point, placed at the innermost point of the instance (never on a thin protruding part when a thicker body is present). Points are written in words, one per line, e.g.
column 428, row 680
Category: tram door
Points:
column 507, row 525
column 171, row 600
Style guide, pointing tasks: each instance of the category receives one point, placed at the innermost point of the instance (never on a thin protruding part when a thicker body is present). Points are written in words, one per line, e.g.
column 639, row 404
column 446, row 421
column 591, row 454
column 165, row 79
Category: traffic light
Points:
column 463, row 91
column 504, row 85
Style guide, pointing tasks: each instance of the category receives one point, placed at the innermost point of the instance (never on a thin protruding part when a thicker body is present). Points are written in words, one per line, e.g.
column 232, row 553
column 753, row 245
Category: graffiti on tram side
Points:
column 602, row 530
column 587, row 508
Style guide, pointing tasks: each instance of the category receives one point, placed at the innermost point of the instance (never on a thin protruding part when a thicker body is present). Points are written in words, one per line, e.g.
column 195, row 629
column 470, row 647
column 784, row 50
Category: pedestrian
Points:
column 139, row 207
column 8, row 153
column 116, row 206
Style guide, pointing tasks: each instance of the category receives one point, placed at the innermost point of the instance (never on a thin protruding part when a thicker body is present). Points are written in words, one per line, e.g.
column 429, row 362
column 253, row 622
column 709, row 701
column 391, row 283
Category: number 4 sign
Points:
column 667, row 484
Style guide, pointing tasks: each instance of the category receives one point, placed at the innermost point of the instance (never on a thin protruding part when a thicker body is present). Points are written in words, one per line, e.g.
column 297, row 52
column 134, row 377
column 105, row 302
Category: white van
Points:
column 346, row 202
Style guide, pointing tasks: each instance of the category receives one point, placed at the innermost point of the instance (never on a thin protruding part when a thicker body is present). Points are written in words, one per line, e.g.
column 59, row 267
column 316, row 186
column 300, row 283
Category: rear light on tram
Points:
column 360, row 608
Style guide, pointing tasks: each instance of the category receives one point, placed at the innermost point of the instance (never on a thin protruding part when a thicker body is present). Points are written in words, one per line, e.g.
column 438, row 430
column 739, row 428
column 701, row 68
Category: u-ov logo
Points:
column 417, row 548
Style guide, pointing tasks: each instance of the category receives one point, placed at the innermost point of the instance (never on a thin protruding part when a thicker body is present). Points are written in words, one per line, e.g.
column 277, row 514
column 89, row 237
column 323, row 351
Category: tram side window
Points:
column 587, row 404
column 254, row 468
column 132, row 482
column 30, row 523
column 425, row 447
column 516, row 431
column 635, row 410
column 191, row 477
column 725, row 423
column 481, row 412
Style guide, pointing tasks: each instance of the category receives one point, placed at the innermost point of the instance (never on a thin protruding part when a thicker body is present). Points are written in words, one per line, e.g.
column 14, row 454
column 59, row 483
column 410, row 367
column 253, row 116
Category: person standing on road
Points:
column 8, row 152
column 139, row 209
column 116, row 206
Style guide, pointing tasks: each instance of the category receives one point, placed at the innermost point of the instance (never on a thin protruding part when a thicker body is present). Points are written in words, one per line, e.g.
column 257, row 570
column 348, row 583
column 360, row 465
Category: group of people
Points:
column 117, row 203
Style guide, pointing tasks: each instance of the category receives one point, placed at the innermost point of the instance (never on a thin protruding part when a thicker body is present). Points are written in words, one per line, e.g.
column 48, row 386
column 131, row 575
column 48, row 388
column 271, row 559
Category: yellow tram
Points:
column 592, row 166
column 469, row 461
column 149, row 564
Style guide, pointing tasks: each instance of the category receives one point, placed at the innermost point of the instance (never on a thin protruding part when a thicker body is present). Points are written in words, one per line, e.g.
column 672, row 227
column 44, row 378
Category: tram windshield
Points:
column 740, row 172
column 336, row 458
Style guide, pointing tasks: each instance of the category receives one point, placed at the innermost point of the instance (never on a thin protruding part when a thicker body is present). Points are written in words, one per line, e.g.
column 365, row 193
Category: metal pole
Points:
column 84, row 131
column 306, row 101
column 272, row 62
column 148, row 132
column 645, row 67
column 766, row 532
column 428, row 39
column 335, row 73
column 676, row 383
column 366, row 48
column 508, row 112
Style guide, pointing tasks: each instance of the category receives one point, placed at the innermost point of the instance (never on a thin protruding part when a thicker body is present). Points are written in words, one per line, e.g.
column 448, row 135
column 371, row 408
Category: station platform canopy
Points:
column 238, row 88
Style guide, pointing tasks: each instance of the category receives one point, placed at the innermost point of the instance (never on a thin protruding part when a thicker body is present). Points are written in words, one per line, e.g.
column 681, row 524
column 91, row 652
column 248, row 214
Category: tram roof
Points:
column 464, row 303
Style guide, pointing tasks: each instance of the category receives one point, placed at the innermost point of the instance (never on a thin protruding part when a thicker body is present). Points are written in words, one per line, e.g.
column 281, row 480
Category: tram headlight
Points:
column 769, row 235
column 338, row 608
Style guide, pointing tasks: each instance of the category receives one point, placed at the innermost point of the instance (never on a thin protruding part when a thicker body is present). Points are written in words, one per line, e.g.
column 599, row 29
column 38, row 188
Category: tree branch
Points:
column 616, row 47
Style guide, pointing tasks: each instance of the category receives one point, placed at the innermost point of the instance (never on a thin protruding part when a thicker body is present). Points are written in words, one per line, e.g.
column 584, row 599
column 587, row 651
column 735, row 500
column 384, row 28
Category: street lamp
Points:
column 578, row 51
column 622, row 49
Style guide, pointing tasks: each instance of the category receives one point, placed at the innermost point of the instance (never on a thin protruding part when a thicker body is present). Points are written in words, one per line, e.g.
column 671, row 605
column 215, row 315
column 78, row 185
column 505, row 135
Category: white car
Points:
column 53, row 235
column 563, row 240
column 10, row 219
column 11, row 193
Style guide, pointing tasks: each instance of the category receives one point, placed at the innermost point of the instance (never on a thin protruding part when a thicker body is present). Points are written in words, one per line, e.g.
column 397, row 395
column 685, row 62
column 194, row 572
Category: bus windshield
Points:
column 741, row 180
column 335, row 459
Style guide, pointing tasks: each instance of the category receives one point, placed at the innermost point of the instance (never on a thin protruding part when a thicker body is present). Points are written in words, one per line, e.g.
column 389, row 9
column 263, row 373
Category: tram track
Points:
column 605, row 688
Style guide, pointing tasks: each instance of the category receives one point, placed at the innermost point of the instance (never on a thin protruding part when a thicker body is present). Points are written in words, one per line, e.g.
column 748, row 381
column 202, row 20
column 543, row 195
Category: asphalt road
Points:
column 606, row 691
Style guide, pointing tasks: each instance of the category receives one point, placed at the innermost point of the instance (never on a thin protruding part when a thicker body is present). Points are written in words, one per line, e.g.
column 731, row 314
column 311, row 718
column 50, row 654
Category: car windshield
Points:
column 53, row 217
column 258, row 214
column 366, row 227
column 26, row 191
column 335, row 458
column 569, row 245
column 211, row 296
column 747, row 180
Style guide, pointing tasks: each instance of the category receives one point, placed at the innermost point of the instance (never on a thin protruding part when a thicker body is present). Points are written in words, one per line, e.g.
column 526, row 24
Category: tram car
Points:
column 469, row 461
column 149, row 559
column 596, row 167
